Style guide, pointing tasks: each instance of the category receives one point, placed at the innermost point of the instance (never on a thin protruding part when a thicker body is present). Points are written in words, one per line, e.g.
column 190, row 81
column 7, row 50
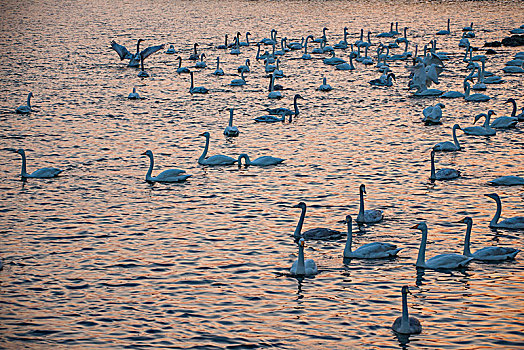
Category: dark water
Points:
column 98, row 258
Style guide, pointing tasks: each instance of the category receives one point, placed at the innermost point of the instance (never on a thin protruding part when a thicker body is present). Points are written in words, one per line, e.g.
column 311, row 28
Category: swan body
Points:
column 442, row 174
column 181, row 69
column 201, row 63
column 448, row 146
column 315, row 233
column 270, row 118
column 171, row 175
column 303, row 267
column 441, row 261
column 230, row 130
column 433, row 114
column 444, row 31
column 333, row 60
column 509, row 180
column 261, row 161
column 504, row 122
column 196, row 89
column 385, row 80
column 223, row 46
column 43, row 173
column 325, row 86
column 194, row 56
column 513, row 69
column 484, row 130
column 487, row 253
column 474, row 97
column 452, row 94
column 272, row 93
column 374, row 250
column 171, row 50
column 286, row 111
column 389, row 34
column 133, row 95
column 25, row 109
column 405, row 324
column 239, row 82
column 343, row 44
column 216, row 159
column 369, row 216
column 513, row 223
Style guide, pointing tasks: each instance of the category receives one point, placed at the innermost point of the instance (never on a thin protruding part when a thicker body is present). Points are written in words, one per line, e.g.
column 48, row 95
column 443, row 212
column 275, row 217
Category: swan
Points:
column 346, row 66
column 272, row 118
column 509, row 180
column 272, row 93
column 269, row 67
column 216, row 159
column 230, row 130
column 244, row 67
column 194, row 56
column 171, row 50
column 361, row 40
column 283, row 48
column 142, row 73
column 171, row 175
column 487, row 253
column 318, row 50
column 366, row 60
column 219, row 71
column 474, row 97
column 260, row 161
column 133, row 95
column 369, row 216
column 134, row 60
column 374, row 250
column 201, row 63
column 384, row 80
column 307, row 56
column 42, row 173
column 197, row 89
column 519, row 117
column 286, row 111
column 389, row 34
column 505, row 122
column 278, row 73
column 314, row 233
column 303, row 267
column 404, row 39
column 236, row 49
column 447, row 146
column 464, row 42
column 239, row 82
column 405, row 324
column 245, row 43
column 295, row 45
column 323, row 38
column 484, row 130
column 325, row 86
column 468, row 28
column 181, row 69
column 433, row 114
column 513, row 69
column 272, row 40
column 514, row 223
column 223, row 46
column 25, row 109
column 343, row 44
column 441, row 261
column 444, row 31
column 442, row 174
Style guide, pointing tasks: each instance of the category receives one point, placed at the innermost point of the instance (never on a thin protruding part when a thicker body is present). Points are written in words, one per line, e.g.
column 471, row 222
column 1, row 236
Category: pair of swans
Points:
column 485, row 130
column 134, row 60
column 25, row 109
column 448, row 146
column 324, row 86
column 231, row 130
column 513, row 223
column 43, row 173
column 442, row 174
column 170, row 175
column 487, row 253
column 433, row 114
column 287, row 111
column 196, row 89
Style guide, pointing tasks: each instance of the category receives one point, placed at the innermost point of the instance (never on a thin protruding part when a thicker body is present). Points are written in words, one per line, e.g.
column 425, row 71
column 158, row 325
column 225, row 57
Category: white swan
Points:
column 223, row 46
column 230, row 130
column 520, row 117
column 513, row 69
column 441, row 261
column 367, row 216
column 181, row 69
column 506, row 122
column 448, row 146
column 245, row 43
column 272, row 93
column 219, row 71
column 389, row 34
column 343, row 44
column 514, row 223
column 475, row 97
column 171, row 175
column 374, row 250
column 287, row 111
column 278, row 73
column 346, row 66
column 196, row 89
column 444, row 31
column 405, row 324
column 239, row 82
column 272, row 118
column 442, row 174
column 260, row 161
column 201, row 63
column 333, row 60
column 244, row 68
column 319, row 233
column 194, row 56
column 306, row 56
column 171, row 50
column 42, row 173
column 509, row 180
column 487, row 253
column 484, row 130
column 25, row 109
column 133, row 95
column 218, row 159
column 134, row 60
column 325, row 86
column 433, row 114
column 303, row 267
column 385, row 79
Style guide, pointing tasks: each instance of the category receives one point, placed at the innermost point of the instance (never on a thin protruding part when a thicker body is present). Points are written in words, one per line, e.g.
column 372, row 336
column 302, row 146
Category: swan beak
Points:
column 144, row 154
column 463, row 220
column 414, row 227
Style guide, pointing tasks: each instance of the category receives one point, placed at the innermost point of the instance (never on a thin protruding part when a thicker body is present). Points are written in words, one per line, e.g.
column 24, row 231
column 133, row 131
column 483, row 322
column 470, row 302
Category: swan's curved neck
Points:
column 496, row 217
column 23, row 172
column 204, row 153
column 138, row 47
column 298, row 229
column 421, row 260
column 361, row 209
column 180, row 62
column 349, row 240
column 404, row 323
column 231, row 117
column 150, row 170
column 432, row 176
column 455, row 139
column 513, row 113
column 467, row 239
column 29, row 104
column 192, row 84
column 295, row 105
column 246, row 157
column 258, row 53
column 301, row 267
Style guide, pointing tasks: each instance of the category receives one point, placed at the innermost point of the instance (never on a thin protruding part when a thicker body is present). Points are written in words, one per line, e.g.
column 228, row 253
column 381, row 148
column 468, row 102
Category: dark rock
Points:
column 514, row 40
column 493, row 44
column 490, row 52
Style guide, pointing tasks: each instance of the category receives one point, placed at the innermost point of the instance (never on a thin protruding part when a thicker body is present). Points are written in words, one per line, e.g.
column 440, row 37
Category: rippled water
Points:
column 98, row 258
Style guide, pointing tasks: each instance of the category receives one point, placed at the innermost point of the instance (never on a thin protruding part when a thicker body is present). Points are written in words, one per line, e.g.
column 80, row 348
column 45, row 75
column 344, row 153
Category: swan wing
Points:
column 445, row 146
column 219, row 159
column 121, row 50
column 267, row 160
column 321, row 233
column 448, row 261
column 504, row 122
column 507, row 181
column 311, row 267
column 376, row 250
column 447, row 173
column 293, row 269
column 372, row 215
column 151, row 50
column 166, row 174
column 516, row 223
column 45, row 173
column 495, row 253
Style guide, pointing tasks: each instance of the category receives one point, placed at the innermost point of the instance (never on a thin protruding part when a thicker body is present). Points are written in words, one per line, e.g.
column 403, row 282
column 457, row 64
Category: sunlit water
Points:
column 98, row 258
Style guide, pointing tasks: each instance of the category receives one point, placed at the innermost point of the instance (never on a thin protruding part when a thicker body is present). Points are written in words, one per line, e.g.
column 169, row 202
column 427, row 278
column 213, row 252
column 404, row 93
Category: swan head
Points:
column 478, row 116
column 348, row 219
column 510, row 100
column 432, row 154
column 491, row 112
column 441, row 105
column 456, row 126
column 195, row 45
column 140, row 40
column 363, row 188
column 405, row 290
column 297, row 96
column 205, row 134
column 300, row 205
column 148, row 153
column 420, row 226
column 392, row 76
column 467, row 220
column 202, row 56
column 31, row 95
column 20, row 151
column 492, row 196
